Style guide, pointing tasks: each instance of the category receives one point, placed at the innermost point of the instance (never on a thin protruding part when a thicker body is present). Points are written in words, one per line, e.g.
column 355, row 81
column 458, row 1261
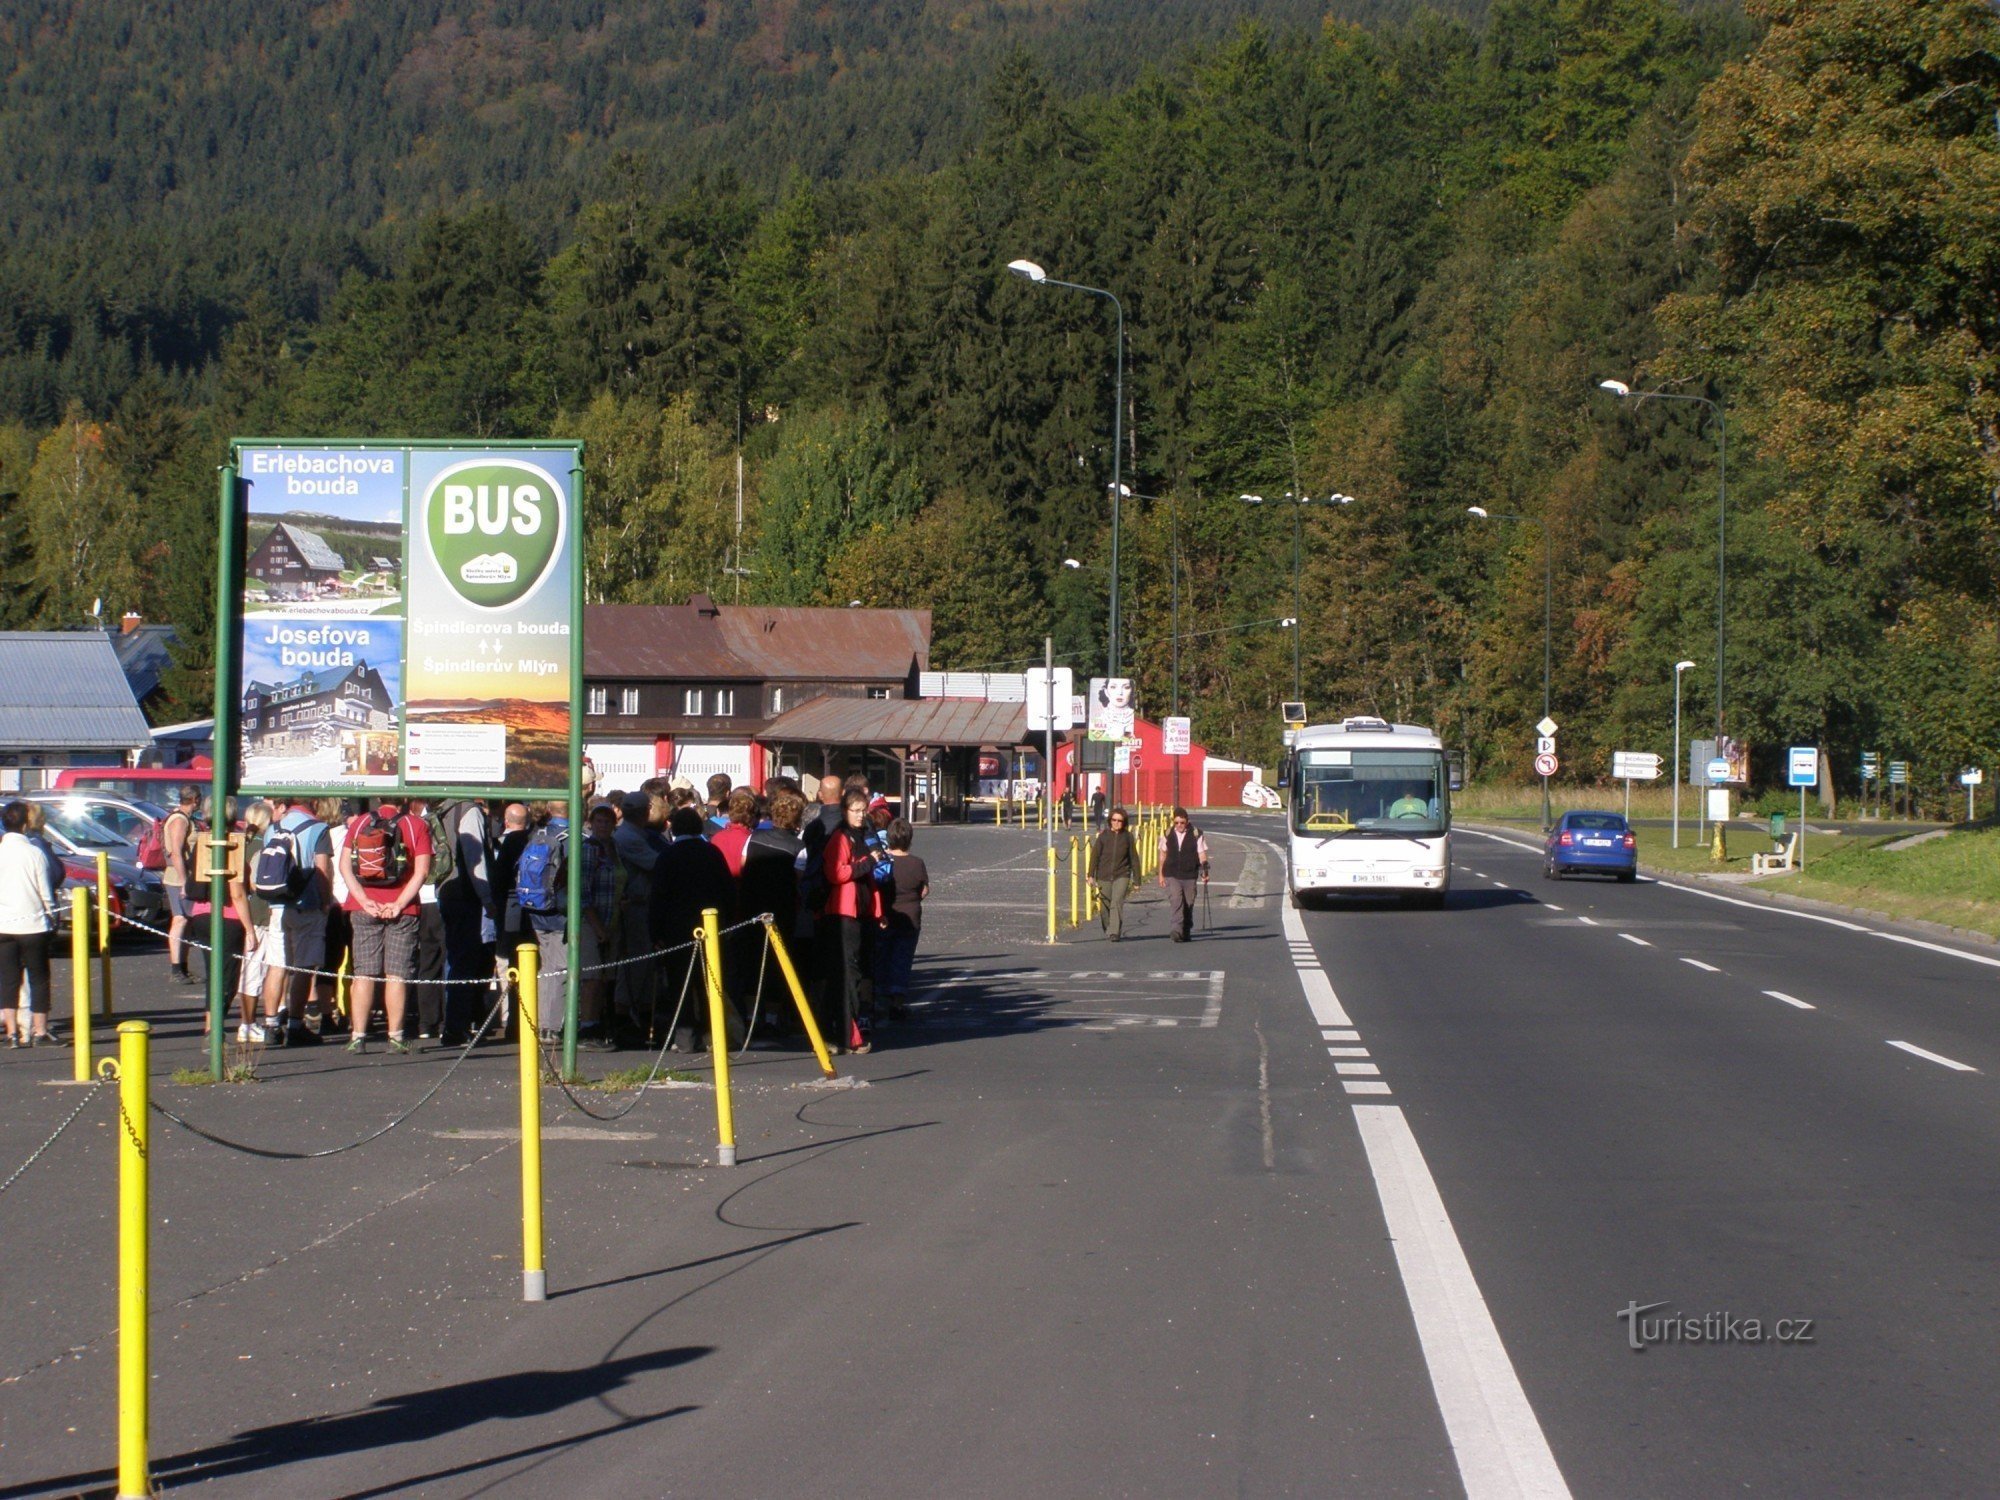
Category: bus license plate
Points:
column 1367, row 879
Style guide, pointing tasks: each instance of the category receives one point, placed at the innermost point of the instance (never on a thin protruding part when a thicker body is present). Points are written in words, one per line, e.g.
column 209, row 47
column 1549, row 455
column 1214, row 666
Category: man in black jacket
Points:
column 1183, row 861
column 690, row 877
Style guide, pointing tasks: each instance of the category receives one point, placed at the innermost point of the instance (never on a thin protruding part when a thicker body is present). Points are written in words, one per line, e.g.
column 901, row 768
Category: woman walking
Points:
column 1111, row 867
column 27, row 901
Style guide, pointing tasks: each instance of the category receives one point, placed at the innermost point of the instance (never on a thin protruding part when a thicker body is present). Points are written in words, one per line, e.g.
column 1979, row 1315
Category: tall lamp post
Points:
column 1298, row 504
column 1625, row 392
column 1679, row 667
column 1548, row 598
column 1030, row 271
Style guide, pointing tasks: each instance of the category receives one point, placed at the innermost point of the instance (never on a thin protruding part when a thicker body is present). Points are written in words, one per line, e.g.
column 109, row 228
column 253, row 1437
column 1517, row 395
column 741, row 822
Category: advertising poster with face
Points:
column 1112, row 714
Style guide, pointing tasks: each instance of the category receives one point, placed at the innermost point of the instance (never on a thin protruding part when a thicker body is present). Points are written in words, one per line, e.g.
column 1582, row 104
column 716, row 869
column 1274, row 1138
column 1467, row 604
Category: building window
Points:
column 725, row 702
column 777, row 701
column 878, row 692
column 691, row 703
column 628, row 701
column 596, row 703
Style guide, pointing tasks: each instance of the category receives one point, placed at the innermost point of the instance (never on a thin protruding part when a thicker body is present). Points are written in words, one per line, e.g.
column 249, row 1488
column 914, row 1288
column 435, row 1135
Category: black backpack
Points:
column 282, row 873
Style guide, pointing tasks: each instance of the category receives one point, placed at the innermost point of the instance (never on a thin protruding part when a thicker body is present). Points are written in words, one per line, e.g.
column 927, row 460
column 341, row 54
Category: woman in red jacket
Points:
column 855, row 906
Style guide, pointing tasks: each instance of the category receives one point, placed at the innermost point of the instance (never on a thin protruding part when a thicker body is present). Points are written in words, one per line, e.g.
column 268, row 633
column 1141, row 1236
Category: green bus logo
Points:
column 495, row 526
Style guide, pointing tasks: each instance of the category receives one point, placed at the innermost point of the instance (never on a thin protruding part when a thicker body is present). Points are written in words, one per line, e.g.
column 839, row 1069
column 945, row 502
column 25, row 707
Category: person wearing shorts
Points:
column 295, row 934
column 384, row 920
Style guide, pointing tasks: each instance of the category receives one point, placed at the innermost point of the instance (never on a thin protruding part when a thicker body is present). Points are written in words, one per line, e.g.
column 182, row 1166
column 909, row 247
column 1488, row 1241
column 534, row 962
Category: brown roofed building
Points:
column 691, row 689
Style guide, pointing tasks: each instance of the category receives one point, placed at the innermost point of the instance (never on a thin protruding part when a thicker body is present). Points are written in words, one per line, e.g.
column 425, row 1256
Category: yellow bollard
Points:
column 134, row 1255
column 534, row 1278
column 718, row 1037
column 799, row 997
column 79, row 980
column 999, row 807
column 1719, row 850
column 1051, row 853
column 105, row 1006
column 1075, row 883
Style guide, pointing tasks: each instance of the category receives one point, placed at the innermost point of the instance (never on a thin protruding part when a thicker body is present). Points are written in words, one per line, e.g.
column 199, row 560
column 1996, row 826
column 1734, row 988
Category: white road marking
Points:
column 1630, row 939
column 1347, row 1052
column 1551, row 906
column 1698, row 964
column 1264, row 1101
column 1357, row 1070
column 1325, row 1004
column 1587, row 921
column 1914, row 1051
column 1503, row 885
column 1364, row 1087
column 1789, row 999
column 1493, row 1430
column 1335, row 1034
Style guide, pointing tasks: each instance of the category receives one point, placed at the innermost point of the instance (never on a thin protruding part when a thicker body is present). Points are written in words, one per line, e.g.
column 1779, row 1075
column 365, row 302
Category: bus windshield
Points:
column 1380, row 793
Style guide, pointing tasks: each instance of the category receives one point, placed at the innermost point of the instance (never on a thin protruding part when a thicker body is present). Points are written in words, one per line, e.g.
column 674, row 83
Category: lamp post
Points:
column 1625, row 392
column 1298, row 504
column 1548, row 598
column 1679, row 667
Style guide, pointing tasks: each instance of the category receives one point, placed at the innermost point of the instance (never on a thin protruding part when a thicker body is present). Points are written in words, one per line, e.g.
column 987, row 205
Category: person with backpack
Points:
column 385, row 862
column 691, row 877
column 178, row 835
column 292, row 873
column 541, row 890
column 430, row 923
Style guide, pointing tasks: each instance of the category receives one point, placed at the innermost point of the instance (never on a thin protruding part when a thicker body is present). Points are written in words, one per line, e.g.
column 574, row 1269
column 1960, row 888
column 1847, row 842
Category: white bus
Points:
column 1370, row 812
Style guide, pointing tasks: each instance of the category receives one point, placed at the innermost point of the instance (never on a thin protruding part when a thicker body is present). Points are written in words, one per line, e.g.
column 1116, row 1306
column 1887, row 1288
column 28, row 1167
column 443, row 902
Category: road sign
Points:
column 1700, row 753
column 1802, row 766
column 1869, row 770
column 1635, row 765
column 1717, row 771
column 1972, row 776
column 1035, row 690
column 1546, row 745
column 1177, row 736
column 1293, row 714
column 1548, row 726
column 1545, row 765
column 1899, row 772
column 1291, row 738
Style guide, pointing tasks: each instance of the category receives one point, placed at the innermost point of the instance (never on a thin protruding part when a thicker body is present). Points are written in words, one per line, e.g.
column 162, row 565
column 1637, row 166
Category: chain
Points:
column 131, row 1130
column 373, row 1135
column 69, row 1120
column 659, row 1061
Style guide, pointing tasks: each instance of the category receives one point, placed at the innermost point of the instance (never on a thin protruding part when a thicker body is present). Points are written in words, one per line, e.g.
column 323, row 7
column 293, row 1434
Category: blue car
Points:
column 1599, row 843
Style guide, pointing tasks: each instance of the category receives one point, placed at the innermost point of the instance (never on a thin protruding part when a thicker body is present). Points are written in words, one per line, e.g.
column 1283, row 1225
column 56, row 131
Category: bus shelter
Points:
column 923, row 751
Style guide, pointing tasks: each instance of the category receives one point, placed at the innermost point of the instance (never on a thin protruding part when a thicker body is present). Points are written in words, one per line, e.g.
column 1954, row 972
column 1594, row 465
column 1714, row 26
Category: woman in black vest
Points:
column 1183, row 861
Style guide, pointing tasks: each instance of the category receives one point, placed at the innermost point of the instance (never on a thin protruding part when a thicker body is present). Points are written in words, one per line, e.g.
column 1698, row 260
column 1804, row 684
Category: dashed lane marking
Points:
column 1587, row 921
column 1789, row 999
column 1639, row 940
column 1941, row 1061
column 1695, row 963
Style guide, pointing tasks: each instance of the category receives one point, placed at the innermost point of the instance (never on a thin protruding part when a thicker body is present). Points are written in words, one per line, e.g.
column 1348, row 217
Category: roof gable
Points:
column 64, row 690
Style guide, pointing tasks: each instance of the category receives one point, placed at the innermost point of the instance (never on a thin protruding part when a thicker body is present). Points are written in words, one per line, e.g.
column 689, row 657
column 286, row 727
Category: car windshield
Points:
column 1387, row 793
column 1598, row 822
column 79, row 828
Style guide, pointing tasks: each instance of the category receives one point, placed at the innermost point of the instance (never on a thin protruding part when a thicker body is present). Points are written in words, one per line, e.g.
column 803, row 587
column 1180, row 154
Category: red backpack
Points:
column 152, row 848
column 380, row 857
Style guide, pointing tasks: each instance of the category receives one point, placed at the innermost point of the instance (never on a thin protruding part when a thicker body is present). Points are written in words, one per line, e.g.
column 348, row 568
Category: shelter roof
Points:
column 705, row 640
column 64, row 690
column 949, row 722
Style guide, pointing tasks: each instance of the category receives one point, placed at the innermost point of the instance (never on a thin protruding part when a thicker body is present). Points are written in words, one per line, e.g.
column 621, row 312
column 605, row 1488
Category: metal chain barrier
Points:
column 659, row 1059
column 373, row 1135
column 69, row 1120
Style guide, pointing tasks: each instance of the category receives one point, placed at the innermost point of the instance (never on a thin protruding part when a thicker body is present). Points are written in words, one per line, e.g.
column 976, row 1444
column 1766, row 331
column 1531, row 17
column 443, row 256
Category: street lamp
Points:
column 1029, row 271
column 1298, row 504
column 1679, row 667
column 1625, row 392
column 1548, row 597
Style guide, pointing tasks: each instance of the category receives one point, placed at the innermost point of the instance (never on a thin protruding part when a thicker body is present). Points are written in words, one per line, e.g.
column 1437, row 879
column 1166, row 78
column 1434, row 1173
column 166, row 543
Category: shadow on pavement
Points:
column 416, row 1417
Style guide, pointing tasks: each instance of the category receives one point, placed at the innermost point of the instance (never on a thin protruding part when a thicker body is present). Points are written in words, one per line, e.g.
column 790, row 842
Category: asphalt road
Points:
column 1330, row 1203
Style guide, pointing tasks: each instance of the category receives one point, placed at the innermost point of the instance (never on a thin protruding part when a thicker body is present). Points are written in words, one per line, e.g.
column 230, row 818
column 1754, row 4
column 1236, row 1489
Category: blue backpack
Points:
column 538, row 879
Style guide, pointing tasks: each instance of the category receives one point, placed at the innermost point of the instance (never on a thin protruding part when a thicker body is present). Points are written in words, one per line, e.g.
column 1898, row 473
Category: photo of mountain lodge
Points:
column 324, row 534
column 319, row 703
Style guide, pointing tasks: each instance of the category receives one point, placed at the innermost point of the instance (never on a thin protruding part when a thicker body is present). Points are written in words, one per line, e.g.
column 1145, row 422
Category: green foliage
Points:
column 835, row 478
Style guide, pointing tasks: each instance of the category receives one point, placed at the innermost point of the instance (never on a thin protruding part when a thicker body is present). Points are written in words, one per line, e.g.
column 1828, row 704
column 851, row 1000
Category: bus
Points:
column 1370, row 812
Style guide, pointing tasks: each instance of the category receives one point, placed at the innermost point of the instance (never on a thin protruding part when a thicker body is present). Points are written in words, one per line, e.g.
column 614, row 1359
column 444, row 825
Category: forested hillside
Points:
column 1392, row 259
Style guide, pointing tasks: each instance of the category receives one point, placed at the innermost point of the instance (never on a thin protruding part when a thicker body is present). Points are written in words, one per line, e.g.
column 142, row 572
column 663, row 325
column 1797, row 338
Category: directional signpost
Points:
column 1634, row 765
column 1970, row 778
column 1802, row 771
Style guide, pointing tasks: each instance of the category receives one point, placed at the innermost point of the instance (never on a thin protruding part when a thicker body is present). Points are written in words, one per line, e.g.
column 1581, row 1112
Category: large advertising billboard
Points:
column 1110, row 711
column 407, row 616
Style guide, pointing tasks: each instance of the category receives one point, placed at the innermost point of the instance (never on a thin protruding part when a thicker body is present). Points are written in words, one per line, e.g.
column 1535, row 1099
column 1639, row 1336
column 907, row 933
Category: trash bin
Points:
column 1778, row 828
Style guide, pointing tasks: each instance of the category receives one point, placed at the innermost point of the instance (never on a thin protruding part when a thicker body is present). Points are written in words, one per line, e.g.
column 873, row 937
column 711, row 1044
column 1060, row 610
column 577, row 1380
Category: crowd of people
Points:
column 421, row 908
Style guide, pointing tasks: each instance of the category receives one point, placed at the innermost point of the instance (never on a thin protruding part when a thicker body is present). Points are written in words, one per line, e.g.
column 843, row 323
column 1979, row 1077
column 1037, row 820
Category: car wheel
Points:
column 1626, row 877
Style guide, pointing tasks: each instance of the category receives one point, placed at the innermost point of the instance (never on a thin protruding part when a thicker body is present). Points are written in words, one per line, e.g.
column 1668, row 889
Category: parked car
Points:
column 1599, row 843
column 137, row 893
column 1256, row 794
column 139, row 783
column 84, row 816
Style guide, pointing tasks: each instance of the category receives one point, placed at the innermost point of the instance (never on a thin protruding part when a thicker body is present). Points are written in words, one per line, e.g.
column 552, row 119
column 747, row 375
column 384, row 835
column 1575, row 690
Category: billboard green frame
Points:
column 232, row 522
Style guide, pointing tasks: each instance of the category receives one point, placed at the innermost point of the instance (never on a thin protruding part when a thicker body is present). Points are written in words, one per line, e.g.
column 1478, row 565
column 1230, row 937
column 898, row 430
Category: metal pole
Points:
column 134, row 1257
column 527, row 960
column 1049, row 772
column 228, row 604
column 1174, row 557
column 1677, row 757
column 1548, row 596
column 573, row 886
column 1298, row 614
column 1721, row 555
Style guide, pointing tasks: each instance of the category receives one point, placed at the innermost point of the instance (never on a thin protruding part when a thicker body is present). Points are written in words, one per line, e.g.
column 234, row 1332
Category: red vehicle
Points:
column 155, row 784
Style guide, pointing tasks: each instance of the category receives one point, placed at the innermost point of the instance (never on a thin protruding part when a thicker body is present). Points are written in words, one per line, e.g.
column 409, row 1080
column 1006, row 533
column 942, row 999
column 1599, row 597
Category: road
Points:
column 1330, row 1203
